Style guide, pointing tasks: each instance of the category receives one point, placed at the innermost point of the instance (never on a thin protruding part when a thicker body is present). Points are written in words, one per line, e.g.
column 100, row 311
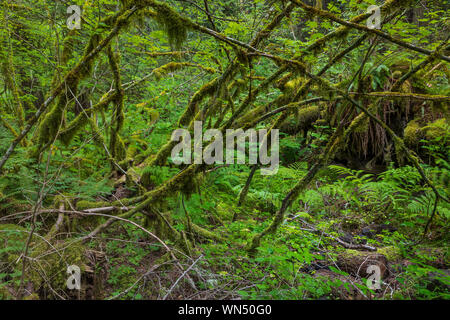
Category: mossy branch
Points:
column 83, row 63
column 330, row 16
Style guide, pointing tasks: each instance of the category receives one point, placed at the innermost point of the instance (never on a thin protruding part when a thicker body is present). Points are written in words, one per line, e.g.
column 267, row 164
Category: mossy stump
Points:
column 356, row 263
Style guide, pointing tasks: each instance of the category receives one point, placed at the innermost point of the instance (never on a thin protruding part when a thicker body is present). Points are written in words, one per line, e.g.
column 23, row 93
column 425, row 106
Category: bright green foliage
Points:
column 364, row 149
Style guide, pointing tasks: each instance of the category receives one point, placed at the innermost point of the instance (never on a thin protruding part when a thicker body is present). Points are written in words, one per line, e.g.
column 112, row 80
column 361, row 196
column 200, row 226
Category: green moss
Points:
column 206, row 233
column 412, row 134
column 120, row 149
column 302, row 121
column 148, row 180
column 13, row 228
column 308, row 115
column 206, row 90
column 294, row 84
column 397, row 75
column 84, row 204
column 168, row 68
column 131, row 152
column 173, row 23
column 47, row 265
column 224, row 211
column 52, row 121
column 82, row 119
column 250, row 116
column 4, row 294
column 392, row 253
column 439, row 128
column 358, row 125
column 161, row 157
column 86, row 70
column 351, row 253
column 116, row 145
column 280, row 84
column 175, row 66
column 52, row 263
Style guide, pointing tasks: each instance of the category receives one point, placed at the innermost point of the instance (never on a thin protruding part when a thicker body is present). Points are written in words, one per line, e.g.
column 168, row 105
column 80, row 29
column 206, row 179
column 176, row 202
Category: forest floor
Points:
column 347, row 228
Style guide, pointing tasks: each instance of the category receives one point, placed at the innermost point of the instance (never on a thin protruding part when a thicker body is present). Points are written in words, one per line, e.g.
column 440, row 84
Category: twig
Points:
column 182, row 276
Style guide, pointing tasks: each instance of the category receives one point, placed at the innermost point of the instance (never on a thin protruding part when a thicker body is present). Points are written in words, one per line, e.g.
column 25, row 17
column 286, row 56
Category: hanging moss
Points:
column 147, row 178
column 191, row 184
column 154, row 176
column 175, row 26
column 97, row 135
column 168, row 68
column 359, row 125
column 440, row 106
column 214, row 107
column 68, row 47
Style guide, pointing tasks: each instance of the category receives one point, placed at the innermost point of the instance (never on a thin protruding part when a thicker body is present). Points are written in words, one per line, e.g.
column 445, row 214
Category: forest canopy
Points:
column 347, row 100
